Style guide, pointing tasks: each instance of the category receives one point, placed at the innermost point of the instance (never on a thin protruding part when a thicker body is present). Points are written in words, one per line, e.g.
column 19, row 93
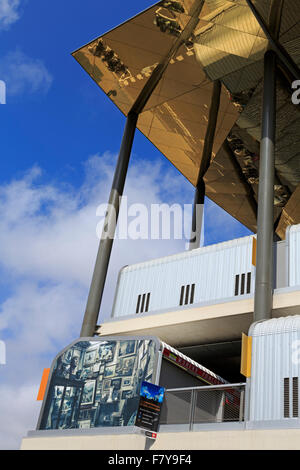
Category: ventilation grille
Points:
column 143, row 302
column 295, row 398
column 187, row 294
column 286, row 398
column 242, row 284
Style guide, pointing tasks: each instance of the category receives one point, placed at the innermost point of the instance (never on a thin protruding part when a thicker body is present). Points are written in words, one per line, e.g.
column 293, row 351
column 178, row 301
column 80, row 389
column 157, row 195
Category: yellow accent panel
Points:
column 246, row 355
column 254, row 251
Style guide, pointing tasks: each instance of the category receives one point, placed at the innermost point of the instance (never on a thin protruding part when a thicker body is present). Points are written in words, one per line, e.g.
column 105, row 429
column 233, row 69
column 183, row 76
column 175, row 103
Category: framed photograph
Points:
column 126, row 394
column 68, row 356
column 90, row 356
column 88, row 395
column 96, row 367
column 110, row 371
column 106, row 384
column 70, row 392
column 128, row 364
column 116, row 383
column 86, row 373
column 127, row 382
column 99, row 382
column 143, row 363
column 127, row 348
column 86, row 424
column 107, row 352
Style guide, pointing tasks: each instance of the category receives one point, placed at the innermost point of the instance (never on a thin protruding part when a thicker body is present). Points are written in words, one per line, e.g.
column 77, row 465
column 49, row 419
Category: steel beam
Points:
column 198, row 213
column 198, row 209
column 107, row 238
column 284, row 57
column 263, row 298
column 161, row 67
column 108, row 232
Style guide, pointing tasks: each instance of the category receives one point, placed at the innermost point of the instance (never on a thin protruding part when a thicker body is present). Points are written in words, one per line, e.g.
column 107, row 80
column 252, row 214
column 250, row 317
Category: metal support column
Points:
column 107, row 237
column 198, row 214
column 198, row 211
column 265, row 220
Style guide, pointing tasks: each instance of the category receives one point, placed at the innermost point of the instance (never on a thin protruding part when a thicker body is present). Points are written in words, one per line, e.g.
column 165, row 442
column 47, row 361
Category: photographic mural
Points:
column 97, row 383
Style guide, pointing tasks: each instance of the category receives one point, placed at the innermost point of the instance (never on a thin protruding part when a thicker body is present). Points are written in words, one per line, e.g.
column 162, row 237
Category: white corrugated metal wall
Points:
column 275, row 356
column 293, row 237
column 212, row 269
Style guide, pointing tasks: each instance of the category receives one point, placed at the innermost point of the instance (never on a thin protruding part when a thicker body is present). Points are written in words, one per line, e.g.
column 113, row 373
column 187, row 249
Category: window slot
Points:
column 248, row 283
column 237, row 282
column 187, row 295
column 147, row 302
column 143, row 303
column 181, row 295
column 286, row 398
column 243, row 284
column 295, row 397
column 192, row 294
column 138, row 304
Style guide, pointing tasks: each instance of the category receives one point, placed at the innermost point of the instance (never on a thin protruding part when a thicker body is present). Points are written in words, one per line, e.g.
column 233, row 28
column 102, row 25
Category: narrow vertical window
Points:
column 138, row 304
column 192, row 294
column 243, row 284
column 187, row 295
column 248, row 283
column 286, row 398
column 143, row 303
column 237, row 282
column 181, row 295
column 147, row 302
column 295, row 397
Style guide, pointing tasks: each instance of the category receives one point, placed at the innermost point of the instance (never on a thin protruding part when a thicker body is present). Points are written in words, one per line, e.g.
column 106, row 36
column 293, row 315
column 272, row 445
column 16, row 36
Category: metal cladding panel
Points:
column 275, row 357
column 212, row 269
column 294, row 255
column 227, row 44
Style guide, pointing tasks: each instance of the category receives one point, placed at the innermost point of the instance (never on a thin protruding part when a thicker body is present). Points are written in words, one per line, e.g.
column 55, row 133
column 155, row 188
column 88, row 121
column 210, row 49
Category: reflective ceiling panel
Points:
column 228, row 45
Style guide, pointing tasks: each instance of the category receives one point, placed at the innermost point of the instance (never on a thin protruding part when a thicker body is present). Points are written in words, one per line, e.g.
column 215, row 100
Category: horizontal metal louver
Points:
column 295, row 398
column 286, row 398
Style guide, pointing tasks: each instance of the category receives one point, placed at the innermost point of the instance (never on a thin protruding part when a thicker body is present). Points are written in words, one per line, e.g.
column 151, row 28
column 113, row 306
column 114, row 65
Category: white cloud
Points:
column 48, row 246
column 19, row 408
column 9, row 12
column 24, row 75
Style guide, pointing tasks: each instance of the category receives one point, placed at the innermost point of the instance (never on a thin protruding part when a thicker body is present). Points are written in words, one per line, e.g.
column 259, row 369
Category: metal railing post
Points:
column 192, row 409
column 242, row 405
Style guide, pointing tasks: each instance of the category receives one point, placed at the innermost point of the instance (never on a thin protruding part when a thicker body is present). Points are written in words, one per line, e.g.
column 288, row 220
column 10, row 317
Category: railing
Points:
column 203, row 405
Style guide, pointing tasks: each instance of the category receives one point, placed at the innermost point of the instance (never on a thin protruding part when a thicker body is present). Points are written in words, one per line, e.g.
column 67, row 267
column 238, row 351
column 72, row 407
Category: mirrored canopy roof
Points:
column 227, row 45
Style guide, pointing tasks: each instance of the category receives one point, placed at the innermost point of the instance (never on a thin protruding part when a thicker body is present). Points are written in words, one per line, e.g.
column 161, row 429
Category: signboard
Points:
column 148, row 414
column 97, row 383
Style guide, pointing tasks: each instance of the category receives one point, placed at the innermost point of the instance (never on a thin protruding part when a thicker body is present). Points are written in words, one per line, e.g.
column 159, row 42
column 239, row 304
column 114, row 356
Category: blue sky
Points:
column 60, row 136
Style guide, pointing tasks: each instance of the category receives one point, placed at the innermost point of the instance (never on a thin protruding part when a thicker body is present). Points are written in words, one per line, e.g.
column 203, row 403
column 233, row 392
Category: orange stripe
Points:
column 43, row 385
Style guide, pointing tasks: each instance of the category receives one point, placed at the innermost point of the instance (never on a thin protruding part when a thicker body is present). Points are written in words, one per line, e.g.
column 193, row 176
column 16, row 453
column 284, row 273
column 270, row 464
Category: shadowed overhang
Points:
column 227, row 44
